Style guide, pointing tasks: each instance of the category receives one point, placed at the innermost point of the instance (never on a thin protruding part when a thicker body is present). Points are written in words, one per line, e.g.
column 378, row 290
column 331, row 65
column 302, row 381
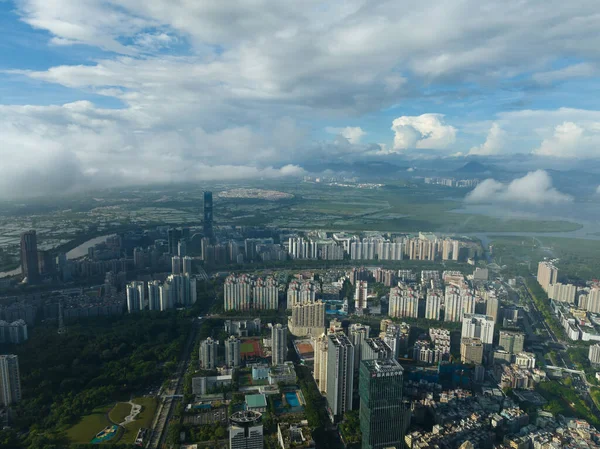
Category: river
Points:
column 75, row 253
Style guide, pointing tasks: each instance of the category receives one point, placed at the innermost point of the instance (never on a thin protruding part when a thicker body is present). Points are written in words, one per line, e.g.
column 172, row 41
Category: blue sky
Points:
column 131, row 91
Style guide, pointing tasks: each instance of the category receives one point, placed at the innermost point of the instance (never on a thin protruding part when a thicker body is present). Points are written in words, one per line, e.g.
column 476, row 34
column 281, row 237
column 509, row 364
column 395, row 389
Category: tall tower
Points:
column 10, row 380
column 279, row 343
column 29, row 257
column 383, row 416
column 208, row 215
column 135, row 296
column 340, row 373
column 232, row 351
column 246, row 430
column 208, row 353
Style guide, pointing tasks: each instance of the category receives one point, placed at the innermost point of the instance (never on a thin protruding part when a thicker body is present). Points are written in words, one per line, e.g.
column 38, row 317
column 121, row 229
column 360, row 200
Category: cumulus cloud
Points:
column 571, row 140
column 424, row 131
column 352, row 133
column 535, row 188
column 493, row 144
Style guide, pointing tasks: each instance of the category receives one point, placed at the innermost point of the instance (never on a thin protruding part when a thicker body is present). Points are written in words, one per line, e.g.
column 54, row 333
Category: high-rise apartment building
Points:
column 187, row 265
column 320, row 368
column 307, row 318
column 511, row 342
column 29, row 257
column 357, row 333
column 246, row 430
column 340, row 374
column 173, row 236
column 491, row 307
column 478, row 326
column 135, row 296
column 594, row 354
column 547, row 274
column 360, row 296
column 15, row 332
column 208, row 353
column 383, row 414
column 375, row 348
column 232, row 352
column 154, row 295
column 246, row 293
column 433, row 306
column 10, row 380
column 279, row 344
column 404, row 302
column 471, row 350
column 562, row 292
column 208, row 215
column 299, row 292
column 175, row 265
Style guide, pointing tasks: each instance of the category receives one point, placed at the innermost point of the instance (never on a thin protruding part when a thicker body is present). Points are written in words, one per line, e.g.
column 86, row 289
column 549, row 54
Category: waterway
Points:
column 75, row 253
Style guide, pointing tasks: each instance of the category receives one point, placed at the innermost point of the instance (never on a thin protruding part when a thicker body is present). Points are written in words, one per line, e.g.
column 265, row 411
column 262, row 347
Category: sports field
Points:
column 251, row 349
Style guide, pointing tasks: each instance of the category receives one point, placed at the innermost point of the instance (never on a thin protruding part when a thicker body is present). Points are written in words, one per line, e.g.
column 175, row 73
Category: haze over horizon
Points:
column 101, row 93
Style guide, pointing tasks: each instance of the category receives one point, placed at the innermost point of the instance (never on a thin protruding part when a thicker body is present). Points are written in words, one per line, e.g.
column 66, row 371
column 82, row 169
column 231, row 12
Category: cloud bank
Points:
column 535, row 188
column 426, row 131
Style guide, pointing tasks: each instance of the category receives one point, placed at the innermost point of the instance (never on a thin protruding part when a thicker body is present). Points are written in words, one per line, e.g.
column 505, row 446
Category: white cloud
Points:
column 352, row 133
column 572, row 140
column 581, row 70
column 493, row 144
column 424, row 131
column 598, row 190
column 535, row 188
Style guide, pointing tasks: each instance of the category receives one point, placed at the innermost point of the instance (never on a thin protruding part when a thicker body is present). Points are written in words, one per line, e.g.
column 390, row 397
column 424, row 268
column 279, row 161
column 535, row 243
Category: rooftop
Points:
column 256, row 400
column 383, row 366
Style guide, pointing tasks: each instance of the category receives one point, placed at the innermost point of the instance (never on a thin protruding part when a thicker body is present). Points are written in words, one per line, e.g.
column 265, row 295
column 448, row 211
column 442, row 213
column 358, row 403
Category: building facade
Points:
column 279, row 344
column 246, row 430
column 10, row 380
column 340, row 374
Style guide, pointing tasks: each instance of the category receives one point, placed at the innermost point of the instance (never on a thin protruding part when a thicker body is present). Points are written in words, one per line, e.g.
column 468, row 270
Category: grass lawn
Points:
column 143, row 420
column 246, row 348
column 84, row 431
column 119, row 412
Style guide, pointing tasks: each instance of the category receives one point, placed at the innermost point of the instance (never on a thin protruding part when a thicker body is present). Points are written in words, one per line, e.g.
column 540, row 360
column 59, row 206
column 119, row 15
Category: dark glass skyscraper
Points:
column 383, row 415
column 29, row 256
column 208, row 215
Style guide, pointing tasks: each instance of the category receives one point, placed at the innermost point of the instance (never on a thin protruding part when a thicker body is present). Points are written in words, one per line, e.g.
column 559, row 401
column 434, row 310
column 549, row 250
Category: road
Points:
column 171, row 396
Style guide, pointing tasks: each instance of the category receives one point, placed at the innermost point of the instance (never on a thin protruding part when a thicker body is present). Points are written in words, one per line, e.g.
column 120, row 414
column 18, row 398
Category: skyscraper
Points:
column 511, row 341
column 232, row 351
column 208, row 353
column 547, row 274
column 360, row 296
column 10, row 380
column 154, row 295
column 135, row 296
column 279, row 343
column 208, row 215
column 357, row 333
column 175, row 265
column 187, row 265
column 471, row 350
column 174, row 235
column 340, row 374
column 478, row 326
column 320, row 369
column 383, row 415
column 29, row 257
column 246, row 430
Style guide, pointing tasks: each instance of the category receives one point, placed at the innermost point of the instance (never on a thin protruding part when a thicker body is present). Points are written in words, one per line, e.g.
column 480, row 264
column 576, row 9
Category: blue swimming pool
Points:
column 292, row 399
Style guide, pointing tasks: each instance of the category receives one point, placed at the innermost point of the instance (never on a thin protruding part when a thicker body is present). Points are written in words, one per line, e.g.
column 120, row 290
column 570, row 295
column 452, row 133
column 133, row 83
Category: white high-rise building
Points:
column 232, row 352
column 307, row 318
column 246, row 430
column 279, row 344
column 478, row 326
column 593, row 354
column 175, row 265
column 547, row 274
column 166, row 296
column 357, row 333
column 433, row 306
column 246, row 293
column 300, row 292
column 187, row 265
column 340, row 373
column 209, row 353
column 154, row 295
column 404, row 302
column 135, row 296
column 265, row 294
column 320, row 368
column 10, row 380
column 562, row 292
column 360, row 296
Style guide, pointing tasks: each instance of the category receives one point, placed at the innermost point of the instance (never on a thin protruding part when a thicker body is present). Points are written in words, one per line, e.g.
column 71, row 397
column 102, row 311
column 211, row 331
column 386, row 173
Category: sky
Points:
column 98, row 93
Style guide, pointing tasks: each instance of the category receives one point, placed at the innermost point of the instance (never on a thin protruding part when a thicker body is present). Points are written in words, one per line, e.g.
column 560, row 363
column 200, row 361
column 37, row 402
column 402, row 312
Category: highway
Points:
column 171, row 396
